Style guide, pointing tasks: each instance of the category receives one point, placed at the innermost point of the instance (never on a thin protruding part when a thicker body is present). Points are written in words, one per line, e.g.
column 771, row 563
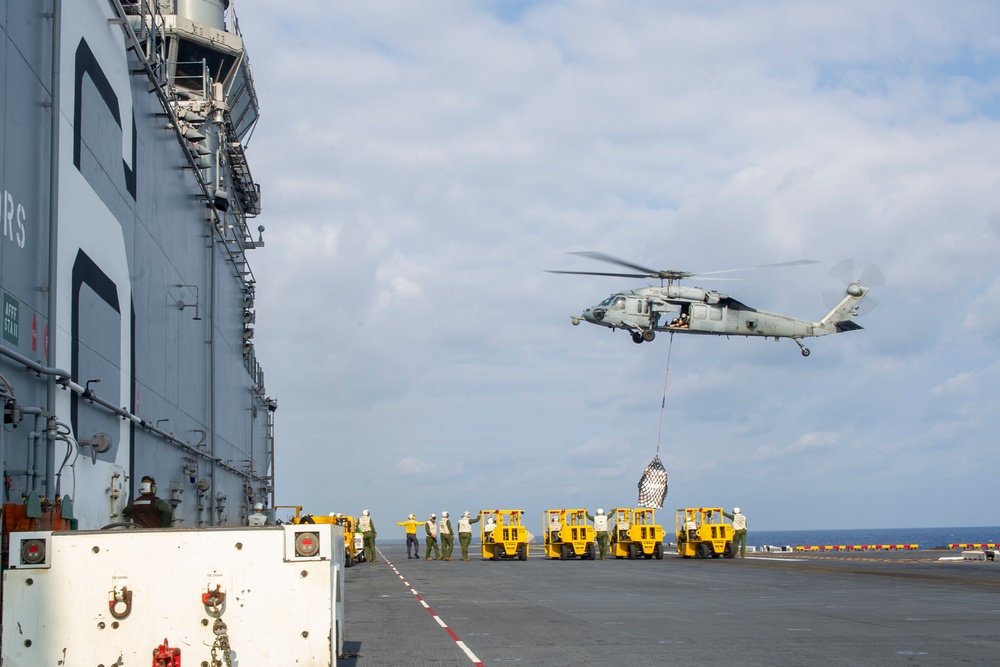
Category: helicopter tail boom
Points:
column 841, row 318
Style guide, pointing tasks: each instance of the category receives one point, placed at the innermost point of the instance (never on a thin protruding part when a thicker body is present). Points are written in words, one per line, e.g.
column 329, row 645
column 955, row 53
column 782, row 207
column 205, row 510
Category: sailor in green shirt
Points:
column 367, row 528
column 600, row 531
column 447, row 536
column 147, row 510
column 431, row 528
column 739, row 530
column 465, row 532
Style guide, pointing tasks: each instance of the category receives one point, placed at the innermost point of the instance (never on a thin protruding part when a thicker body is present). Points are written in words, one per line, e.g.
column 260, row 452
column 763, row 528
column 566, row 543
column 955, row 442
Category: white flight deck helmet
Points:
column 365, row 513
column 736, row 510
column 444, row 515
column 600, row 511
column 411, row 517
column 432, row 516
column 466, row 514
column 258, row 507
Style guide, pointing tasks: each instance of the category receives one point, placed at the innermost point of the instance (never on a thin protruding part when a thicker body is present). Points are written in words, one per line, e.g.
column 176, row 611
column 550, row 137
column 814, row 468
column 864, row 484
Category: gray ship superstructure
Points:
column 127, row 344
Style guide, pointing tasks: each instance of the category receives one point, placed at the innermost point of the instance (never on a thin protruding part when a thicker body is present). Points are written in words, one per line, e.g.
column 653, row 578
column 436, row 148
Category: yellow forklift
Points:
column 702, row 533
column 567, row 534
column 503, row 535
column 634, row 532
column 353, row 541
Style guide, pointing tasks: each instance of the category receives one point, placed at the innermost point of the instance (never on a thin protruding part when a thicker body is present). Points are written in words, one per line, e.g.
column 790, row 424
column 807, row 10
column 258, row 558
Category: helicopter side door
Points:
column 708, row 318
column 637, row 312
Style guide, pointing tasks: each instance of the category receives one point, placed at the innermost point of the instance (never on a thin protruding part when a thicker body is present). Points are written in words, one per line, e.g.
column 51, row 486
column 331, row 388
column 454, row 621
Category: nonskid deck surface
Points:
column 791, row 609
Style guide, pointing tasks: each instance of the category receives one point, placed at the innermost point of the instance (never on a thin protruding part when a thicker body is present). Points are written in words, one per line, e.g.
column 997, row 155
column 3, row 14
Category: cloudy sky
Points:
column 423, row 163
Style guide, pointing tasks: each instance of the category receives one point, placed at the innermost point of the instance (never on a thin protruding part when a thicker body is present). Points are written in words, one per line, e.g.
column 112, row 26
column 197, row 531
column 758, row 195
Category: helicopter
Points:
column 676, row 308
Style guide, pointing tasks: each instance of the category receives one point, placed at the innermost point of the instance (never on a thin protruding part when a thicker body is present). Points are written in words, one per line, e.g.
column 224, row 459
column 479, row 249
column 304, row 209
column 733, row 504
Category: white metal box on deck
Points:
column 252, row 597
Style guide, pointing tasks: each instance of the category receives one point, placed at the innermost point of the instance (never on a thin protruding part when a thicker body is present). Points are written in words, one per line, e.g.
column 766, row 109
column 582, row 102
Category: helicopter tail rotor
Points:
column 849, row 275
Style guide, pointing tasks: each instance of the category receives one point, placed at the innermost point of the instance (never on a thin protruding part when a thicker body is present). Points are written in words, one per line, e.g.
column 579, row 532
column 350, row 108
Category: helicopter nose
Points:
column 575, row 320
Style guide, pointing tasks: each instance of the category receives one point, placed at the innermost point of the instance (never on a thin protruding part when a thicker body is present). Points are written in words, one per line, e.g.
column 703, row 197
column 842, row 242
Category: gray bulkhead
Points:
column 155, row 296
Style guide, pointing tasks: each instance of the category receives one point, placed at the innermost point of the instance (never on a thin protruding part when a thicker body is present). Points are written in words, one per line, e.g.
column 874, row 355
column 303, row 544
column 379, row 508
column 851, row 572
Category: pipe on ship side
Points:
column 53, row 276
column 64, row 379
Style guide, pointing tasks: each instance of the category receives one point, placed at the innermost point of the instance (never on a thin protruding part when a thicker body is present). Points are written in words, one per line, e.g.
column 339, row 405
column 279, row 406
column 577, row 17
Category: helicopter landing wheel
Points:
column 636, row 337
column 805, row 350
column 648, row 335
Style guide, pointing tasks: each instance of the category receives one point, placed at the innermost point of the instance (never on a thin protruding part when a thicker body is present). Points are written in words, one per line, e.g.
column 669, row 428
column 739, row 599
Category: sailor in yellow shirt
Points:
column 411, row 535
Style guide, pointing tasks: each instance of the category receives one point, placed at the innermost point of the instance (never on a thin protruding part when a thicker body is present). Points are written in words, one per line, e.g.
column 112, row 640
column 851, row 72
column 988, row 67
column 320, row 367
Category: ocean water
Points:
column 927, row 538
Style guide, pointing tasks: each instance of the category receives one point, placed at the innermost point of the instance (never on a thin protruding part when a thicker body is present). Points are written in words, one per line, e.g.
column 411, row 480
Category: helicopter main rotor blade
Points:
column 667, row 274
column 798, row 262
column 670, row 275
column 600, row 256
column 597, row 273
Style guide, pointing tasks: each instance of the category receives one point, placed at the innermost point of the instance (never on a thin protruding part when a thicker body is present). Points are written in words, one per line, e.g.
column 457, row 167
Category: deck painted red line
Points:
column 440, row 621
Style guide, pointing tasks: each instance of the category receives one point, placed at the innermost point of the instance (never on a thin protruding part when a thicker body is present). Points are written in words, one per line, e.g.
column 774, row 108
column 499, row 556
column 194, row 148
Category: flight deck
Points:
column 886, row 608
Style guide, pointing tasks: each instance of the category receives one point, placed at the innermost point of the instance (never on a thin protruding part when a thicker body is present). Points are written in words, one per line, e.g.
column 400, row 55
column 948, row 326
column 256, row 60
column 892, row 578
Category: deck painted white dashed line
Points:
column 440, row 621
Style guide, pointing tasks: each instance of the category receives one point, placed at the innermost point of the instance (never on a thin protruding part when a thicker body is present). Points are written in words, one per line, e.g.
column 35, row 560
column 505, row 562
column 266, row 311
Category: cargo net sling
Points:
column 653, row 483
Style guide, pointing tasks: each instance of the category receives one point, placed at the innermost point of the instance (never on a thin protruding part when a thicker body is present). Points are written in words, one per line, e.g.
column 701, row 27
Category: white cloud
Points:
column 963, row 383
column 809, row 441
column 393, row 290
column 410, row 466
column 804, row 443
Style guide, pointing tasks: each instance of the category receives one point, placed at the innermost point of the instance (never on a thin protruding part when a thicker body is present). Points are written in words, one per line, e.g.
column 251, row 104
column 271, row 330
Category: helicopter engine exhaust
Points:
column 693, row 293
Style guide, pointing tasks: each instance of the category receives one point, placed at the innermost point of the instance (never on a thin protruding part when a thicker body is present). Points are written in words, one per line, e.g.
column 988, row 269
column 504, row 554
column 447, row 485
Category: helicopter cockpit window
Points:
column 618, row 303
column 607, row 302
